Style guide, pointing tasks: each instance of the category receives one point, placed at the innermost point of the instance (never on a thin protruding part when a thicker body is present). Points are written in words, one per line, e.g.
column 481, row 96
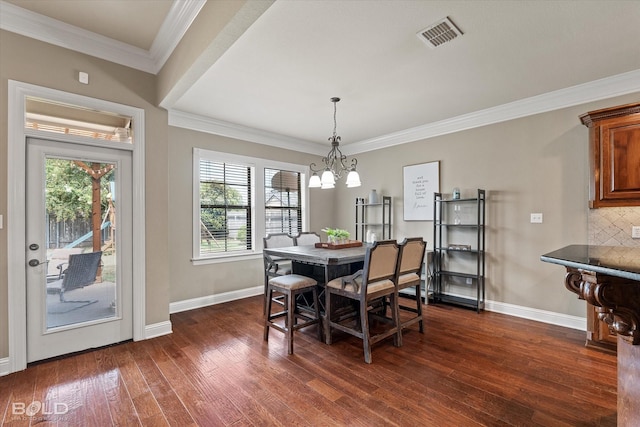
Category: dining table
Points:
column 321, row 264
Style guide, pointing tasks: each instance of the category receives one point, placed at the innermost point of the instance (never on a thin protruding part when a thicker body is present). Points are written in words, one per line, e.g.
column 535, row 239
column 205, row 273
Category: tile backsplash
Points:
column 612, row 226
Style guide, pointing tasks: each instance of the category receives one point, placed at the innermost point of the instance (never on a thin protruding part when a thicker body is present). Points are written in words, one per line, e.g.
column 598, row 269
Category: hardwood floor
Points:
column 467, row 369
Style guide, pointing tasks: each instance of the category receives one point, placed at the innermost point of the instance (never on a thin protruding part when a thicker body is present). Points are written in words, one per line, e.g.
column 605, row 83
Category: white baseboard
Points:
column 4, row 366
column 157, row 329
column 559, row 319
column 190, row 304
column 538, row 315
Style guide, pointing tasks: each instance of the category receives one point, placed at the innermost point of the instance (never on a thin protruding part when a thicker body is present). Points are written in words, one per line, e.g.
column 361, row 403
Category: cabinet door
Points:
column 620, row 159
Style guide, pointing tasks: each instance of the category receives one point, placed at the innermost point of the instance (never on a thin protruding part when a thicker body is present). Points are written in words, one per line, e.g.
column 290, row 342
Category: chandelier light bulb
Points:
column 314, row 181
column 353, row 179
column 328, row 178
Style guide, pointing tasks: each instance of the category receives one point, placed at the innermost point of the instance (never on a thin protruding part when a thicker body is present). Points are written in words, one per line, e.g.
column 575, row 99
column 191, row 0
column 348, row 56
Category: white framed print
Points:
column 420, row 183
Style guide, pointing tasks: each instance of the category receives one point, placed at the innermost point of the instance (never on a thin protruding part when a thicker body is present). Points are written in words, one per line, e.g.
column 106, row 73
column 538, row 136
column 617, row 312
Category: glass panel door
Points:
column 79, row 272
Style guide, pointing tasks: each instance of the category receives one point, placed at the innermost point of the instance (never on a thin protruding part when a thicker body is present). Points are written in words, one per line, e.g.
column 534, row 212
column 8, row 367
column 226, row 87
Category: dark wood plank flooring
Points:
column 467, row 369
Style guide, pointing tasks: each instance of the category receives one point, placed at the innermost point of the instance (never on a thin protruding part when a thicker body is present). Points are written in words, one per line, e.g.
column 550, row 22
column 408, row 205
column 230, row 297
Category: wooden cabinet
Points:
column 614, row 150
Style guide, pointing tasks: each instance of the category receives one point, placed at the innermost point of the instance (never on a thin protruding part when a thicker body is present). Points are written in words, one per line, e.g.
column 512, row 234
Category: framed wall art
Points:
column 420, row 182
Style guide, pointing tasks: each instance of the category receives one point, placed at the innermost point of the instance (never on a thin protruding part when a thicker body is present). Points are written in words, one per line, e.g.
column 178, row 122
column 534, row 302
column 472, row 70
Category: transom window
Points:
column 55, row 117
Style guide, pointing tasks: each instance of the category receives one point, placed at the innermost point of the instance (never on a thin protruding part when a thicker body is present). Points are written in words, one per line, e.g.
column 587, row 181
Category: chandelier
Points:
column 334, row 164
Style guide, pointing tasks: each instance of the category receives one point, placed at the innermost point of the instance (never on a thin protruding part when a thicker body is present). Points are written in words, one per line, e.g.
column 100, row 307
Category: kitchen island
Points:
column 608, row 277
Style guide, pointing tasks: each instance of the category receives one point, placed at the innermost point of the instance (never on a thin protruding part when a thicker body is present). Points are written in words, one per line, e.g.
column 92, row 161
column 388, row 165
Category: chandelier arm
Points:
column 330, row 159
column 340, row 159
column 312, row 166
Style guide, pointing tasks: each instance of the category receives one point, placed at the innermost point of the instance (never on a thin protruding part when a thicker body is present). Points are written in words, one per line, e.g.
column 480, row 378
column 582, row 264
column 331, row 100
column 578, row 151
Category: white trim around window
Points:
column 257, row 202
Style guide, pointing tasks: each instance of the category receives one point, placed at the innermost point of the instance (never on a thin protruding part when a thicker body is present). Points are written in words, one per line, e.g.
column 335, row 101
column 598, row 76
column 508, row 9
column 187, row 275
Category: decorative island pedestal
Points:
column 608, row 277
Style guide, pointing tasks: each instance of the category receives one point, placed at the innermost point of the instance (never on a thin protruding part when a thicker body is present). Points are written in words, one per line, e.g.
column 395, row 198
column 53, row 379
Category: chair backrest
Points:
column 411, row 256
column 278, row 240
column 82, row 270
column 380, row 262
column 58, row 259
column 306, row 238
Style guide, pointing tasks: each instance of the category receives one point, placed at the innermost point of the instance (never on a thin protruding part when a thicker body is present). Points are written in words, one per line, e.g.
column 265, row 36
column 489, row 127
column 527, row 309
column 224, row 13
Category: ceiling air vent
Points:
column 439, row 33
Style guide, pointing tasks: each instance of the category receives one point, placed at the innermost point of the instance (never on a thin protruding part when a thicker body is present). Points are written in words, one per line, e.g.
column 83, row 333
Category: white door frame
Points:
column 16, row 220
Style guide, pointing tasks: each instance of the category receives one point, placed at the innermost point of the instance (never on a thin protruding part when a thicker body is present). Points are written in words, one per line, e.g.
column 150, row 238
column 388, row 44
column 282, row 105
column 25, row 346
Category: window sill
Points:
column 226, row 258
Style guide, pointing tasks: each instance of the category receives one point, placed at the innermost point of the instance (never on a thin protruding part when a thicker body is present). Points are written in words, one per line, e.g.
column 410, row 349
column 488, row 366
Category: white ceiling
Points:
column 515, row 58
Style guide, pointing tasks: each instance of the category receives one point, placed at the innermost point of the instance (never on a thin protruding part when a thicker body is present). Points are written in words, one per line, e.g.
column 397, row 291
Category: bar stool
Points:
column 291, row 285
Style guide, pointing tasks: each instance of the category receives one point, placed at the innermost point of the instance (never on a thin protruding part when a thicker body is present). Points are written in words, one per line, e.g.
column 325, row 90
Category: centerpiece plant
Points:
column 336, row 235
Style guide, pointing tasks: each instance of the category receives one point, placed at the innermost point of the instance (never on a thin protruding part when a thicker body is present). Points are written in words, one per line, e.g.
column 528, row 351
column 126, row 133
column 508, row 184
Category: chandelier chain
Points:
column 335, row 122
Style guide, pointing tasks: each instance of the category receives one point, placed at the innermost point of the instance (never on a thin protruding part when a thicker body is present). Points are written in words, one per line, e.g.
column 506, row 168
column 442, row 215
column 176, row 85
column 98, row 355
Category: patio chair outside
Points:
column 81, row 272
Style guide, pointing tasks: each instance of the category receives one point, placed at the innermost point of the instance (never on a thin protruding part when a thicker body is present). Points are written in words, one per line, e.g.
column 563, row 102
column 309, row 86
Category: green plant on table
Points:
column 335, row 235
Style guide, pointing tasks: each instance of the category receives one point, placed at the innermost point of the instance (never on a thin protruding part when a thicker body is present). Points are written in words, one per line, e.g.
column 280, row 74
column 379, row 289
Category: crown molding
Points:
column 178, row 20
column 609, row 87
column 48, row 30
column 204, row 124
column 30, row 24
column 618, row 85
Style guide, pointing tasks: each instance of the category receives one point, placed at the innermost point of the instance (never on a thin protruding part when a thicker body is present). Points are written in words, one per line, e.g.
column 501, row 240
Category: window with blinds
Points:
column 238, row 200
column 283, row 201
column 225, row 208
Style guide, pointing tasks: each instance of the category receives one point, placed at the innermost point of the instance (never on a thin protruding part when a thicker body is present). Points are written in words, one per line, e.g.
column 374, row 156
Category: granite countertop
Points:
column 619, row 261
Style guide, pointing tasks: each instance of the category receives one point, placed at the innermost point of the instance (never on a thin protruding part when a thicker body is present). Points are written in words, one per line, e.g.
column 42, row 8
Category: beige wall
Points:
column 38, row 63
column 192, row 281
column 534, row 164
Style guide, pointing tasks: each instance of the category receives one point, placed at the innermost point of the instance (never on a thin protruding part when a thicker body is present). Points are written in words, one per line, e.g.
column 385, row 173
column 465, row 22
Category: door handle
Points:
column 35, row 262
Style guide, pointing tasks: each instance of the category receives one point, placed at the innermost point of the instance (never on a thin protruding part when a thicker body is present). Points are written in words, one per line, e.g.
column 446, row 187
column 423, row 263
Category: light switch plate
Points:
column 635, row 232
column 1, row 223
column 536, row 218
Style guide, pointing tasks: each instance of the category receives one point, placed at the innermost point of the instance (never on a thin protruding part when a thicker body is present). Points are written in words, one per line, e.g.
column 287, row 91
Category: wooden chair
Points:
column 410, row 261
column 371, row 284
column 306, row 238
column 276, row 266
column 291, row 285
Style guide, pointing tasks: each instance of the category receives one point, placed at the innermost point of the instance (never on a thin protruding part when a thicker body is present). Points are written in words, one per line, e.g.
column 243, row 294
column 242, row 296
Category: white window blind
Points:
column 225, row 208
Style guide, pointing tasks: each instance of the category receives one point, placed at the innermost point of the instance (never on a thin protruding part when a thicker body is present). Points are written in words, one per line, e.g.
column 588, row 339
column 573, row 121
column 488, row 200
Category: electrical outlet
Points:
column 635, row 232
column 469, row 281
column 536, row 218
